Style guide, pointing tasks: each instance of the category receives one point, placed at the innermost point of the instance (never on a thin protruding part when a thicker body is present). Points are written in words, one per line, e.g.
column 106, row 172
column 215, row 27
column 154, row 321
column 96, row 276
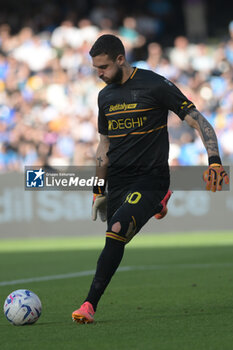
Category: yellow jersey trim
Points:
column 140, row 132
column 134, row 72
column 131, row 111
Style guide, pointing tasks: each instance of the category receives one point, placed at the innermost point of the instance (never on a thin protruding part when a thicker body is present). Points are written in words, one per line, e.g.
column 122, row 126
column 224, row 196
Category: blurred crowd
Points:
column 48, row 91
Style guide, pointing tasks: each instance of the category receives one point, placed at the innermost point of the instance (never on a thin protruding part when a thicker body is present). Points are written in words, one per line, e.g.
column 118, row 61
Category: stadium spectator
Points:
column 182, row 53
column 35, row 52
column 154, row 57
column 66, row 34
column 130, row 36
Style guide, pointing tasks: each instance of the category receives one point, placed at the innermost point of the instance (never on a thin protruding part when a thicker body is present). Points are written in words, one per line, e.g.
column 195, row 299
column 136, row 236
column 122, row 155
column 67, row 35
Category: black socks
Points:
column 107, row 264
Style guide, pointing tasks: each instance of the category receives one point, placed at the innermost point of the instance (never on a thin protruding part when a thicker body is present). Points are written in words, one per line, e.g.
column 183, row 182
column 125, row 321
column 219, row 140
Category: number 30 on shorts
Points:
column 133, row 198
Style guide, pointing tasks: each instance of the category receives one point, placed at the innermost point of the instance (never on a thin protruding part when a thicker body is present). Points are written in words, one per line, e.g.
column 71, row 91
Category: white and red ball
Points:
column 22, row 307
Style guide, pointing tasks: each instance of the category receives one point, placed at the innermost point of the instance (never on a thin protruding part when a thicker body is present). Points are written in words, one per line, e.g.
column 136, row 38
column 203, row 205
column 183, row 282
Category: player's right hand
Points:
column 214, row 176
column 99, row 205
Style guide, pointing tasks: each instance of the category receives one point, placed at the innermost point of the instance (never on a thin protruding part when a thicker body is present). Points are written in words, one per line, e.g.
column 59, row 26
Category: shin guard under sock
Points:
column 107, row 264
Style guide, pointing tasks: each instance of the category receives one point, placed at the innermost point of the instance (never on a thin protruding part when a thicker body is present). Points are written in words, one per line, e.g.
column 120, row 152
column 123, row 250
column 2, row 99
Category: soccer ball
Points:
column 22, row 307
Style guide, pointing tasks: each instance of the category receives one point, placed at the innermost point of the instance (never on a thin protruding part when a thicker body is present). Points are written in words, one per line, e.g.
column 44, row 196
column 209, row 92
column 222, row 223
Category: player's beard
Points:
column 117, row 78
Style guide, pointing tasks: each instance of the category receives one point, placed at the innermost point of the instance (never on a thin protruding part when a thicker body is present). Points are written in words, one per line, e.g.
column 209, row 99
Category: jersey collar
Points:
column 133, row 73
column 131, row 76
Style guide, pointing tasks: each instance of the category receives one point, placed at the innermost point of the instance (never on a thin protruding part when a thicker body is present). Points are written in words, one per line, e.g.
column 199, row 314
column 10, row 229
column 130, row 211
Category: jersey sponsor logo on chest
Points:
column 122, row 107
column 126, row 123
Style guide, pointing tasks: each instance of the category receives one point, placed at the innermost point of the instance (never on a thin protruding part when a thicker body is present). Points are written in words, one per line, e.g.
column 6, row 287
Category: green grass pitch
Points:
column 173, row 292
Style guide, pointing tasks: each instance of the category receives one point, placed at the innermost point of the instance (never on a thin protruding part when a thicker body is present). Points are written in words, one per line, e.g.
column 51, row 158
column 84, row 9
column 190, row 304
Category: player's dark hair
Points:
column 108, row 44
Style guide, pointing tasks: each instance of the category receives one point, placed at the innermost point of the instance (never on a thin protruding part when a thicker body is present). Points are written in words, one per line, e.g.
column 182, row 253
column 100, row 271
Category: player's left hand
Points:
column 214, row 177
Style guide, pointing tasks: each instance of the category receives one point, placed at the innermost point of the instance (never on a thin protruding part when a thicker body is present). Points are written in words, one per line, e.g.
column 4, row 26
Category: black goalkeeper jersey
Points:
column 134, row 116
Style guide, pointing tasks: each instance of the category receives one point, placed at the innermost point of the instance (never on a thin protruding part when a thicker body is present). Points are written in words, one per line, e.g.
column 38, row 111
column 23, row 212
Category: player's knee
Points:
column 116, row 227
column 124, row 228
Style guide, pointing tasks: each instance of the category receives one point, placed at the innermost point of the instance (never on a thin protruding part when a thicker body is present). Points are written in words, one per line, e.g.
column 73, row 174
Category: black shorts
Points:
column 132, row 206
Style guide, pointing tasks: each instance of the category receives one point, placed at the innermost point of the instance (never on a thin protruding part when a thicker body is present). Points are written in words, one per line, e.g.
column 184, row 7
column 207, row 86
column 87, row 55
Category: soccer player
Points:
column 132, row 155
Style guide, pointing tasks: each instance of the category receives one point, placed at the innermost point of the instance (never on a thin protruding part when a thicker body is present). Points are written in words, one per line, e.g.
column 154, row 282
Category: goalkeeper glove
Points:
column 99, row 205
column 214, row 176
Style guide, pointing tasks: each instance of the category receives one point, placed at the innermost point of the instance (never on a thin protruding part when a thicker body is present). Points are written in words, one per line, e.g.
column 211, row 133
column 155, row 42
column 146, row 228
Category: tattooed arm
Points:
column 196, row 120
column 215, row 174
column 102, row 159
column 99, row 204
